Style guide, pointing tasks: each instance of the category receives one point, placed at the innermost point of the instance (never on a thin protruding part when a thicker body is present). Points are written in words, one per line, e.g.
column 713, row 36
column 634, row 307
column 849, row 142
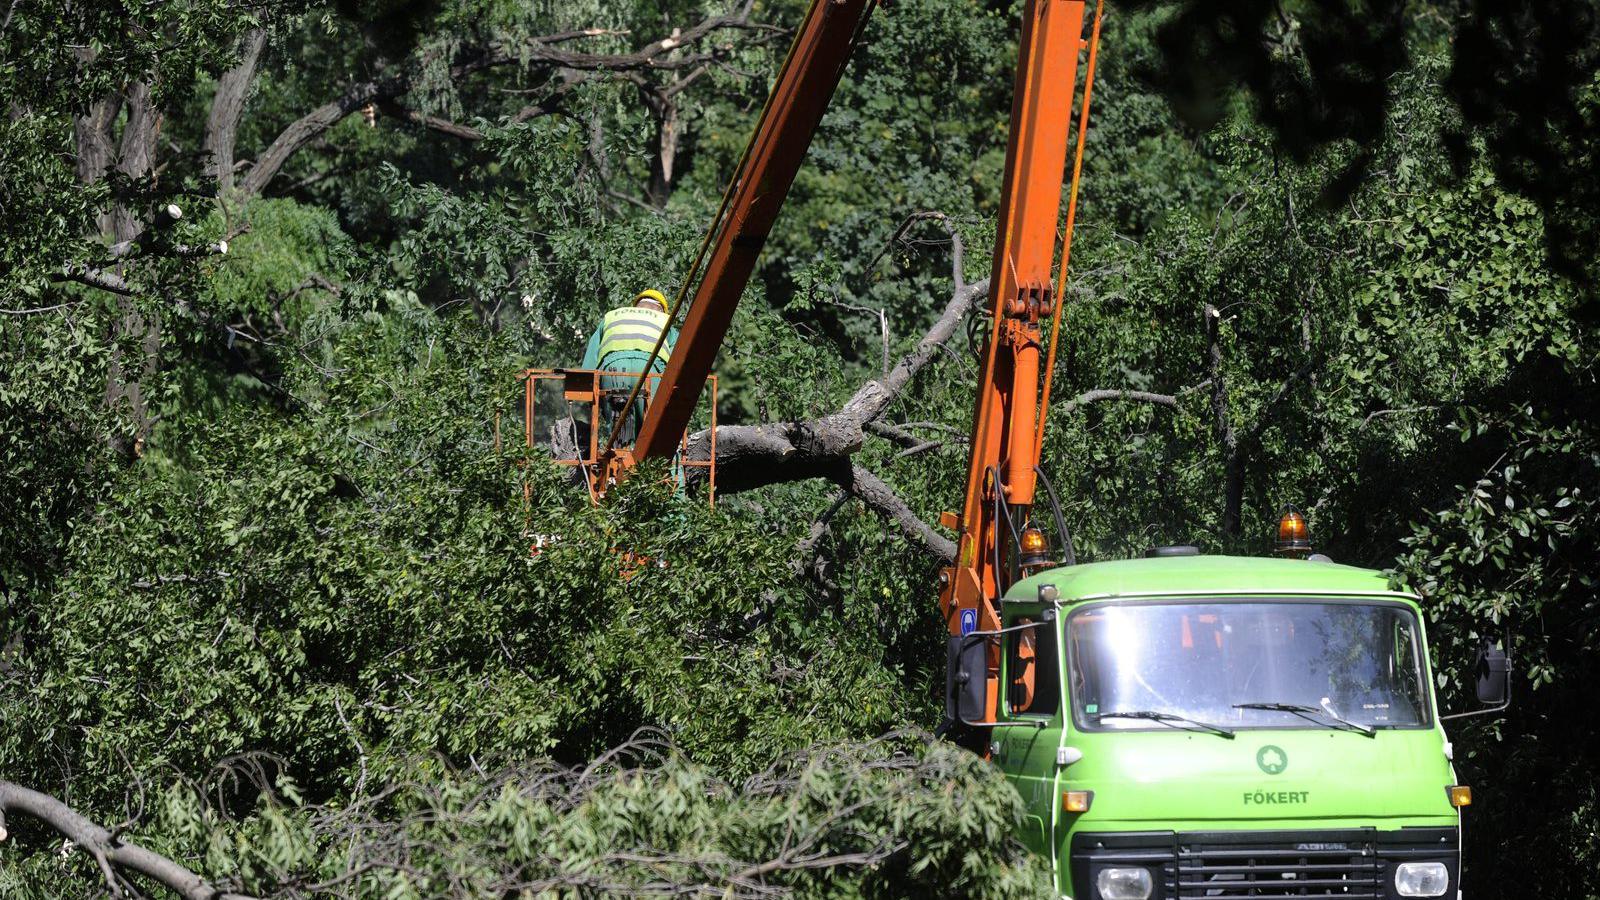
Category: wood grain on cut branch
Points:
column 109, row 852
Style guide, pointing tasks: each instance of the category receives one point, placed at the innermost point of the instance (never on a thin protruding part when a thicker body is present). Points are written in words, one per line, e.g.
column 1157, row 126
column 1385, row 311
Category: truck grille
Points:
column 1350, row 871
column 1351, row 864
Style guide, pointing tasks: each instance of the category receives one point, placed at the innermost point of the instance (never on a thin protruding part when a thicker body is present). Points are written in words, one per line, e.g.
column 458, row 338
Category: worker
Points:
column 622, row 345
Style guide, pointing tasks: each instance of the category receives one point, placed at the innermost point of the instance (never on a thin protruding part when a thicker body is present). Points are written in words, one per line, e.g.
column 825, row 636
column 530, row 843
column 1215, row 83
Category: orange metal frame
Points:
column 805, row 85
column 1008, row 419
column 1010, row 408
column 582, row 387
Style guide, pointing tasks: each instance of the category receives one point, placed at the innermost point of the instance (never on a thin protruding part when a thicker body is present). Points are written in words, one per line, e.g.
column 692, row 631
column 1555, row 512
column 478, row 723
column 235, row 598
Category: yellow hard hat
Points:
column 653, row 294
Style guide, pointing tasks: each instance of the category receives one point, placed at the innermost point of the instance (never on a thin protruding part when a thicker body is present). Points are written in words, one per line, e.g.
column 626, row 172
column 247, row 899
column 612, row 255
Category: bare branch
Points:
column 1098, row 396
column 546, row 52
column 107, row 851
column 875, row 396
column 96, row 278
column 879, row 497
column 433, row 123
column 750, row 456
column 310, row 126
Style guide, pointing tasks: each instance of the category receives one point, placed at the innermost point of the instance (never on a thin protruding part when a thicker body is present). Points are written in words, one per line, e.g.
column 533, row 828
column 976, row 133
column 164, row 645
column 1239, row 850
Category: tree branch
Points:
column 433, row 123
column 313, row 124
column 880, row 498
column 542, row 52
column 222, row 125
column 96, row 278
column 750, row 456
column 107, row 851
column 1100, row 395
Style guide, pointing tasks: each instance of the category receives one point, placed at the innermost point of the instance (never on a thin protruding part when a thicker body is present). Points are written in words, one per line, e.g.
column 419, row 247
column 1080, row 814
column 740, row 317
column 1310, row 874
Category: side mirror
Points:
column 1494, row 675
column 966, row 676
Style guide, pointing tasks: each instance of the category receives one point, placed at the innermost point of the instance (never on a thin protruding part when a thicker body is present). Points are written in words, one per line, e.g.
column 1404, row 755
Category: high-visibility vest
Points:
column 632, row 329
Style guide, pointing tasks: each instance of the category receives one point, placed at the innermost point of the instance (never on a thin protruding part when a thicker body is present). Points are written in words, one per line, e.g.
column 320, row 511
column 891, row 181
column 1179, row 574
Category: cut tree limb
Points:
column 880, row 498
column 750, row 456
column 108, row 851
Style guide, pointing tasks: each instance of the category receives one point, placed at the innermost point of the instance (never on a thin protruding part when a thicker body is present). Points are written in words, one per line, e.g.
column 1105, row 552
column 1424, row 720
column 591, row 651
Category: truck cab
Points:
column 1213, row 726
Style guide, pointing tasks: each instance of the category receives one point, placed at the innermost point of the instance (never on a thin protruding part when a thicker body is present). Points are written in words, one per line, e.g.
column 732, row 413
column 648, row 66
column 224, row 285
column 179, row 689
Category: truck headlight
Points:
column 1421, row 879
column 1124, row 884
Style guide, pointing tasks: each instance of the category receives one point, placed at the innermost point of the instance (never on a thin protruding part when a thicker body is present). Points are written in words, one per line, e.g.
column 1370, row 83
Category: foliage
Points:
column 323, row 548
column 638, row 818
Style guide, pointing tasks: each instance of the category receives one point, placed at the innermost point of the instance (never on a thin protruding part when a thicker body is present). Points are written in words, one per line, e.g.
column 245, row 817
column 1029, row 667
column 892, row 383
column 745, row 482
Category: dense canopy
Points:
column 268, row 605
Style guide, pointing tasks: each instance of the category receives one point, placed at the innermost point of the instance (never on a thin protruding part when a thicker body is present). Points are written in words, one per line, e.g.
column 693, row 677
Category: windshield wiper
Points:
column 1167, row 718
column 1305, row 712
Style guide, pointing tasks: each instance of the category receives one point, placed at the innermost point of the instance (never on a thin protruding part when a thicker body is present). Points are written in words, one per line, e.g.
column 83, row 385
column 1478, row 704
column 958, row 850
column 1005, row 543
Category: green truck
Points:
column 1213, row 726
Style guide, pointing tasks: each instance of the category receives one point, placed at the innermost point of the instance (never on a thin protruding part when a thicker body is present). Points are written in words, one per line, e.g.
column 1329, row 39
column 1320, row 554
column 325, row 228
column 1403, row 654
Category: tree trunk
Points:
column 222, row 125
column 96, row 153
column 125, row 380
column 1233, row 462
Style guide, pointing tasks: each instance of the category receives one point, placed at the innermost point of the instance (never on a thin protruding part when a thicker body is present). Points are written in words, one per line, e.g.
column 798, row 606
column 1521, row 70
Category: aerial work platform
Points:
column 563, row 411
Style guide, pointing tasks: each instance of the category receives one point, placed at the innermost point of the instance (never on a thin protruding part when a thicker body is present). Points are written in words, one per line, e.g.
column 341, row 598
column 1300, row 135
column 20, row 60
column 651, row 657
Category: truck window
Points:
column 1031, row 670
column 1222, row 661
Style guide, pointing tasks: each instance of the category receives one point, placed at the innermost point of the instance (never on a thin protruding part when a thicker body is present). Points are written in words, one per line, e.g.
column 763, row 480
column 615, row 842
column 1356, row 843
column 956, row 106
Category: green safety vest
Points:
column 632, row 329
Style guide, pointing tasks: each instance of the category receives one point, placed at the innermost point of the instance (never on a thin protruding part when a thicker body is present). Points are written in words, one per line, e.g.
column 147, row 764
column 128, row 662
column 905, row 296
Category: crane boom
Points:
column 806, row 83
column 1006, row 421
column 1007, row 425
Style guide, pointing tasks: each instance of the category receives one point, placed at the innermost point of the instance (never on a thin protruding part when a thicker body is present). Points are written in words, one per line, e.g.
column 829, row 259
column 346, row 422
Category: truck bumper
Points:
column 1351, row 864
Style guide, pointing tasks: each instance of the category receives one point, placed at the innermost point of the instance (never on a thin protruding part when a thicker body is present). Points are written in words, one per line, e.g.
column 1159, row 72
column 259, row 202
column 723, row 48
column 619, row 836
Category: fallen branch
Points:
column 108, row 851
column 880, row 498
column 750, row 456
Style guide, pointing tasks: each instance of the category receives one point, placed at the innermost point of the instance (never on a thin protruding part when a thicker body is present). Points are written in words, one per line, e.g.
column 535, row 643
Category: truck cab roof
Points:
column 1205, row 576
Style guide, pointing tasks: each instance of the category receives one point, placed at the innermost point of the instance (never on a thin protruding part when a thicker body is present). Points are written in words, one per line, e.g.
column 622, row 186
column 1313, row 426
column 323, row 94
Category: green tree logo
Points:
column 1272, row 759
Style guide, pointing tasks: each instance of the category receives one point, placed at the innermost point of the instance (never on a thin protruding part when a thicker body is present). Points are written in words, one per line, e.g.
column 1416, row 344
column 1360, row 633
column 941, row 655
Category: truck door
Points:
column 1024, row 745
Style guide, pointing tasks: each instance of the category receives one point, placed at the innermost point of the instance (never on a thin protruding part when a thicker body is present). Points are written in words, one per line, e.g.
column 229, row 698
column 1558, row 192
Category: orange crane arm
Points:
column 805, row 85
column 1009, row 411
column 1007, row 422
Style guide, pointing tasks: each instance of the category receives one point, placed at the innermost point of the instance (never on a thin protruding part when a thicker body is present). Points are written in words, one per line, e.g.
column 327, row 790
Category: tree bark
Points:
column 1233, row 463
column 313, row 125
column 663, row 161
column 136, row 158
column 433, row 123
column 108, row 851
column 222, row 125
column 96, row 149
column 125, row 381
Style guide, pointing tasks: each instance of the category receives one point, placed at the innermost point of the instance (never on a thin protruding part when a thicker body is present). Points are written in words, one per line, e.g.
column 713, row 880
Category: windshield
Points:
column 1210, row 662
